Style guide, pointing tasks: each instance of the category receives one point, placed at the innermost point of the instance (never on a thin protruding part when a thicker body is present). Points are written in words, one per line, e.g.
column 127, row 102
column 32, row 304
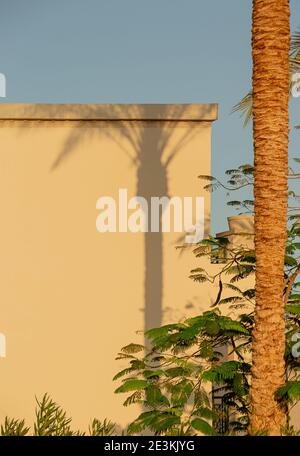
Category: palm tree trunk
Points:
column 270, row 48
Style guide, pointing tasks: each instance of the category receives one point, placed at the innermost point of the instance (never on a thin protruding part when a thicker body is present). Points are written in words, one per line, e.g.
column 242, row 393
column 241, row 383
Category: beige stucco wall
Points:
column 71, row 297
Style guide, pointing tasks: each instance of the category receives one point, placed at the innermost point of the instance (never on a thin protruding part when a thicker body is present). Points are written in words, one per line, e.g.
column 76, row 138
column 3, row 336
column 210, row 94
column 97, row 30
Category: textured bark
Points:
column 270, row 47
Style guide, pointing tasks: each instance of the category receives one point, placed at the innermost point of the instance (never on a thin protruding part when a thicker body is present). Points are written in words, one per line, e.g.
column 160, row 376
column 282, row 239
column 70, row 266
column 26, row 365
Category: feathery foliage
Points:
column 52, row 420
column 196, row 374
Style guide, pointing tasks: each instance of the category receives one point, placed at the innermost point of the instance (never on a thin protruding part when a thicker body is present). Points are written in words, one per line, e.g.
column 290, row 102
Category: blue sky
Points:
column 138, row 51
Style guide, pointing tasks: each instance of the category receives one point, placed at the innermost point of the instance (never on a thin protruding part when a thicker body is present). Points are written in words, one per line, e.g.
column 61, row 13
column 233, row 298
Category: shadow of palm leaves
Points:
column 145, row 144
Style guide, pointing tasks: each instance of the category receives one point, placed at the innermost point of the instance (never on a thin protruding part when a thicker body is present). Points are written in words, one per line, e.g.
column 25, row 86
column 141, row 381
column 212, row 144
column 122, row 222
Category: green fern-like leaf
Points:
column 104, row 428
column 131, row 385
column 134, row 398
column 51, row 419
column 290, row 391
column 203, row 426
column 14, row 427
column 133, row 348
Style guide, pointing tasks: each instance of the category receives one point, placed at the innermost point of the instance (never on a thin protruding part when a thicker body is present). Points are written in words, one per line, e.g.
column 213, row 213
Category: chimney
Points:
column 241, row 231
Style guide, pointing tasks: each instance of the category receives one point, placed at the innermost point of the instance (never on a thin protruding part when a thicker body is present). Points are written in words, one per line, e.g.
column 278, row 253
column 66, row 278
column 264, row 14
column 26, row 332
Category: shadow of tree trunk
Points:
column 152, row 181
